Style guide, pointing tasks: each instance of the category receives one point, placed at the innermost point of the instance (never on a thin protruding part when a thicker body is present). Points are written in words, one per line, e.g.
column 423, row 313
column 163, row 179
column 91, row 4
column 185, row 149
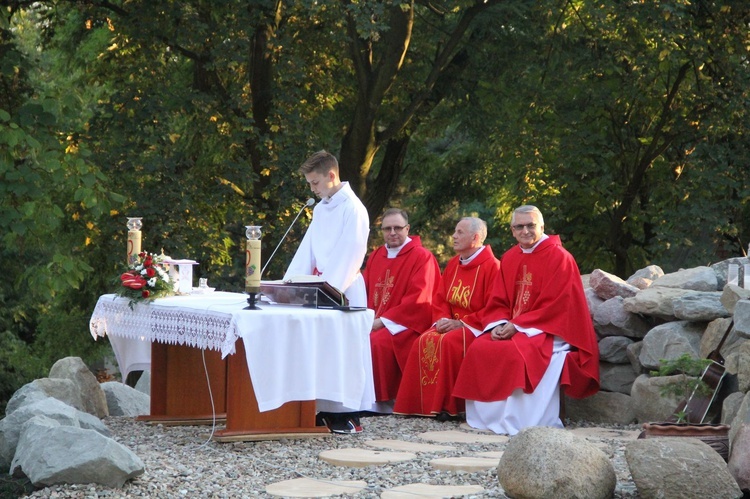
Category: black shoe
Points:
column 444, row 416
column 349, row 426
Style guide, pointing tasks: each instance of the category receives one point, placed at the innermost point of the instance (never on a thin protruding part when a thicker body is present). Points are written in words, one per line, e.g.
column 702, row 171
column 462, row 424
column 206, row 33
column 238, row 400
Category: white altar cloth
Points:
column 293, row 353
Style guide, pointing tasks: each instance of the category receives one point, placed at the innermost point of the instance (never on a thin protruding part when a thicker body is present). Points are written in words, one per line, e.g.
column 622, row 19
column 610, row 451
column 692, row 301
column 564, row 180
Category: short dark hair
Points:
column 320, row 162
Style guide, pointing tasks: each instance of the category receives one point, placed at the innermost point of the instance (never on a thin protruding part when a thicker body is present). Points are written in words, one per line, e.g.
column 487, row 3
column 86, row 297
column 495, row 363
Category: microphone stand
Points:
column 308, row 203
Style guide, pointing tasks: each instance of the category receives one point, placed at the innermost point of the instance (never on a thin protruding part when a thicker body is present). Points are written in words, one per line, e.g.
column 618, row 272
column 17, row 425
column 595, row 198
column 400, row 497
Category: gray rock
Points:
column 123, row 400
column 640, row 282
column 742, row 318
column 634, row 352
column 602, row 407
column 655, row 302
column 49, row 455
column 676, row 467
column 609, row 285
column 699, row 307
column 648, row 402
column 33, row 392
column 614, row 349
column 697, row 279
column 742, row 357
column 669, row 341
column 731, row 406
column 592, row 300
column 741, row 418
column 616, row 377
column 542, row 462
column 732, row 294
column 712, row 337
column 651, row 273
column 92, row 396
column 65, row 415
column 611, row 319
column 739, row 459
column 144, row 383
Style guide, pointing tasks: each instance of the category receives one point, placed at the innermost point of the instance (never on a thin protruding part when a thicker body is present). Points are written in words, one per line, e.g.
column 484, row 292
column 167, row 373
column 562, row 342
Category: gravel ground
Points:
column 182, row 461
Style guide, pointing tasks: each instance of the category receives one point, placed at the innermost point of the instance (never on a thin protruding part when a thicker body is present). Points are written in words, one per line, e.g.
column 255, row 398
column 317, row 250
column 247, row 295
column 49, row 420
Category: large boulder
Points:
column 671, row 340
column 648, row 402
column 611, row 319
column 696, row 278
column 699, row 307
column 541, row 462
column 614, row 349
column 63, row 390
column 92, row 396
column 677, row 467
column 65, row 415
column 602, row 407
column 739, row 459
column 650, row 273
column 655, row 301
column 123, row 400
column 616, row 377
column 50, row 454
column 608, row 285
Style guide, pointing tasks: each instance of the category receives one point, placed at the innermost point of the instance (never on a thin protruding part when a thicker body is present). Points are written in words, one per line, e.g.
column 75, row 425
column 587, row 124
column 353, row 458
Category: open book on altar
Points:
column 305, row 290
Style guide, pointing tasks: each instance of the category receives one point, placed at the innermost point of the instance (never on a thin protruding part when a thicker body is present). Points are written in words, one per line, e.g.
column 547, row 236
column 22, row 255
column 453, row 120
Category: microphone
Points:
column 308, row 203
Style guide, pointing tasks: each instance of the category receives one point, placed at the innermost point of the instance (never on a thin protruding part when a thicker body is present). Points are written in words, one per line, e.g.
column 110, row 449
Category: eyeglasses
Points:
column 394, row 228
column 520, row 227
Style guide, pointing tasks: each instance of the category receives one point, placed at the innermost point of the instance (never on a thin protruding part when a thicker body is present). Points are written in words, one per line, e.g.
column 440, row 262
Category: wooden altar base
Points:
column 180, row 393
column 245, row 422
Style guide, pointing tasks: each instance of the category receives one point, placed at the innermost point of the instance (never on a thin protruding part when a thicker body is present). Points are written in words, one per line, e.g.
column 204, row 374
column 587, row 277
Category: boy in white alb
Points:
column 334, row 248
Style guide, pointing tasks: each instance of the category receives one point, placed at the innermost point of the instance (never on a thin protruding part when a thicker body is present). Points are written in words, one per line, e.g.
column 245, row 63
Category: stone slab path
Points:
column 464, row 461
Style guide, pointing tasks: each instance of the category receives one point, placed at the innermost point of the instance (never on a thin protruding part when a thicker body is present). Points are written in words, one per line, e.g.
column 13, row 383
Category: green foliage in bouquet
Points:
column 145, row 279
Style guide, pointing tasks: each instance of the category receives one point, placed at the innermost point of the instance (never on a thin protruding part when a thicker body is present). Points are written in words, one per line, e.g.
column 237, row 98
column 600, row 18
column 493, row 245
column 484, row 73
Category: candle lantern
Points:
column 134, row 239
column 252, row 264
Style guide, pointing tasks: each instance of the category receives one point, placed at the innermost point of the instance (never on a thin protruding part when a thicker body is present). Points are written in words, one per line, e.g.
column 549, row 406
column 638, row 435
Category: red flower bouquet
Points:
column 145, row 279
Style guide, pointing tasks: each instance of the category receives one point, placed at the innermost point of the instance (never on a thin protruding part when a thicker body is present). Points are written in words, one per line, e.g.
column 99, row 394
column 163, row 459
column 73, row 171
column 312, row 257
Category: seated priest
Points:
column 435, row 358
column 538, row 337
column 400, row 278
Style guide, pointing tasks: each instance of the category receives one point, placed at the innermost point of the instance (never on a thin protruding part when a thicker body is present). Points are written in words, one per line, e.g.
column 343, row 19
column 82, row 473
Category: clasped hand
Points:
column 445, row 325
column 503, row 331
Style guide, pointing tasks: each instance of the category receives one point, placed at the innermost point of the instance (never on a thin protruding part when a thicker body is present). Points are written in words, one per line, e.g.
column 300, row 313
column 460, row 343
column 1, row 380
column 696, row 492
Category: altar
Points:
column 278, row 358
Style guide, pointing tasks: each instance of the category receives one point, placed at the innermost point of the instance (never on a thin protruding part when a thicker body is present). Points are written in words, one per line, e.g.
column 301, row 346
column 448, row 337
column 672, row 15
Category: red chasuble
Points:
column 542, row 290
column 431, row 370
column 399, row 289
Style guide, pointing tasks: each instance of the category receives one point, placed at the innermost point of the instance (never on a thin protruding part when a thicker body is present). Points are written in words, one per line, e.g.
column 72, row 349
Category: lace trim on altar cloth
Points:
column 204, row 329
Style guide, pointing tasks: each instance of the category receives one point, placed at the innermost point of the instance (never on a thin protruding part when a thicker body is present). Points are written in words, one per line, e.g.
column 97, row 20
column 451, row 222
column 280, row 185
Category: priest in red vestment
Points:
column 539, row 337
column 400, row 278
column 435, row 358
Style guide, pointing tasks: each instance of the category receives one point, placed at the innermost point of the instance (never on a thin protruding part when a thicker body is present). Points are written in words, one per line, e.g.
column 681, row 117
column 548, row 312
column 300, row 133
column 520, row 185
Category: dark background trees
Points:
column 625, row 122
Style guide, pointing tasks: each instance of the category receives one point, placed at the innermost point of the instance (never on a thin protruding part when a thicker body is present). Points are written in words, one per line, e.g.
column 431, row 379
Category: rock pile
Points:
column 52, row 432
column 653, row 316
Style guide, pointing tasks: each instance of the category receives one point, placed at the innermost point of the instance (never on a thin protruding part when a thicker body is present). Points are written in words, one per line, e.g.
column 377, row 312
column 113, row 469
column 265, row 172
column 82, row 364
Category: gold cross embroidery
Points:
column 523, row 292
column 383, row 289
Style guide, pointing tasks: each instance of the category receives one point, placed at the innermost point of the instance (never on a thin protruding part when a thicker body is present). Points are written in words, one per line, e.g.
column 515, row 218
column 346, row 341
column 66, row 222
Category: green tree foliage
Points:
column 624, row 121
